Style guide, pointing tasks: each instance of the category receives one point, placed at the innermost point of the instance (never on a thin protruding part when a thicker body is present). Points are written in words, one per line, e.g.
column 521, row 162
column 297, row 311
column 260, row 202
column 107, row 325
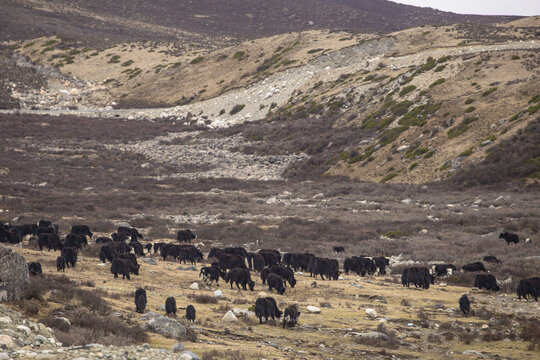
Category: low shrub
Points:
column 236, row 109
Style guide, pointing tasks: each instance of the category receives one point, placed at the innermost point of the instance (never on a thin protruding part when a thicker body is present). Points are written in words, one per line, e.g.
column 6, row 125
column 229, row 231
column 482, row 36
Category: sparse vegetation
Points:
column 489, row 91
column 462, row 128
column 197, row 60
column 236, row 109
column 407, row 89
column 437, row 82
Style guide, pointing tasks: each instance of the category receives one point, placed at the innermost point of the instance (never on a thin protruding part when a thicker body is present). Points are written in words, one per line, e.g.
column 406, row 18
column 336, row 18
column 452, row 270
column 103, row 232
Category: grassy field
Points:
column 419, row 322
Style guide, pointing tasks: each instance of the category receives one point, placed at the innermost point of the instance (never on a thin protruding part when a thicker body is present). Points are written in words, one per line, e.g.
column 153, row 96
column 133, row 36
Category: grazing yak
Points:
column 45, row 223
column 82, row 230
column 75, row 240
column 301, row 261
column 443, row 269
column 290, row 316
column 465, row 305
column 124, row 267
column 381, row 263
column 230, row 261
column 170, row 306
column 509, row 238
column 258, row 261
column 476, row 266
column 107, row 253
column 271, row 257
column 285, row 273
column 140, row 300
column 267, row 307
column 129, row 230
column 236, row 250
column 215, row 252
column 486, row 281
column 212, row 273
column 264, row 274
column 419, row 276
column 157, row 246
column 185, row 236
column 492, row 259
column 528, row 287
column 275, row 281
column 27, row 229
column 137, row 247
column 70, row 255
column 361, row 265
column 286, row 261
column 34, row 268
column 338, row 249
column 190, row 313
column 148, row 247
column 328, row 267
column 60, row 264
column 103, row 240
column 240, row 276
column 123, row 236
column 50, row 240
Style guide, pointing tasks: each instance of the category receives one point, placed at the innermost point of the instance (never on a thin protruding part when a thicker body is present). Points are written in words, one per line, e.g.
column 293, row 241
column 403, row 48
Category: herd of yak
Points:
column 276, row 270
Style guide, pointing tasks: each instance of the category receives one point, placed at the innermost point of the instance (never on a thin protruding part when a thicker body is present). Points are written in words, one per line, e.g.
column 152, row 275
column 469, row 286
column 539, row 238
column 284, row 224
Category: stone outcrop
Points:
column 14, row 275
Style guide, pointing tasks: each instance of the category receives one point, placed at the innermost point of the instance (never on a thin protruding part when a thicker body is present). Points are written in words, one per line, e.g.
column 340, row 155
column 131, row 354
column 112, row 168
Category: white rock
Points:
column 485, row 326
column 403, row 147
column 5, row 340
column 371, row 313
column 407, row 201
column 218, row 293
column 229, row 317
column 24, row 329
column 341, row 278
column 5, row 320
column 194, row 286
column 475, row 353
column 313, row 309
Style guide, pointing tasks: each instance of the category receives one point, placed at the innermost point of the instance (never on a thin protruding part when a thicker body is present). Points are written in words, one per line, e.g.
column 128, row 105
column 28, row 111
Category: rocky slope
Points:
column 424, row 110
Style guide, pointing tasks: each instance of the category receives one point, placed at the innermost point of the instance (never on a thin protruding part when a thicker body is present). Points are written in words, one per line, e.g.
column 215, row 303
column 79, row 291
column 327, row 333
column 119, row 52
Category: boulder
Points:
column 313, row 309
column 188, row 355
column 178, row 347
column 14, row 275
column 5, row 320
column 229, row 317
column 166, row 326
column 475, row 353
column 371, row 313
column 242, row 312
column 148, row 260
column 6, row 341
column 194, row 286
column 218, row 293
column 368, row 335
